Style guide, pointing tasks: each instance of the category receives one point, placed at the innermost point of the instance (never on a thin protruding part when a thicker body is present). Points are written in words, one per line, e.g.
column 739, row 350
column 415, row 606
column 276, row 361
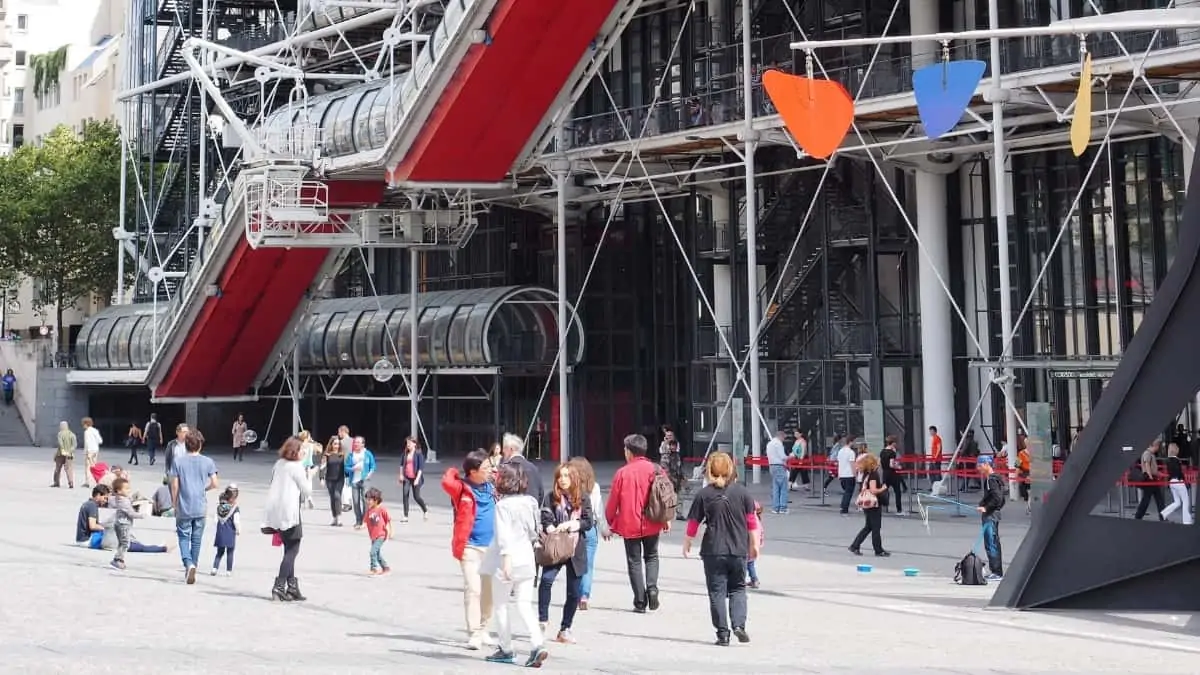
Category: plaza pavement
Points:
column 63, row 610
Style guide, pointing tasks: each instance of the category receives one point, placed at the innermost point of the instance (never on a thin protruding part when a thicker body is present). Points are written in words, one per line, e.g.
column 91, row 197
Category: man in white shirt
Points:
column 777, row 462
column 91, row 449
column 846, row 472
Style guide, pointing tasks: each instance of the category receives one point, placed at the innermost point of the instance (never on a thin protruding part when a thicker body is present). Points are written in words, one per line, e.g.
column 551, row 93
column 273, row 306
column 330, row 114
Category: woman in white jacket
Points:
column 509, row 560
column 290, row 487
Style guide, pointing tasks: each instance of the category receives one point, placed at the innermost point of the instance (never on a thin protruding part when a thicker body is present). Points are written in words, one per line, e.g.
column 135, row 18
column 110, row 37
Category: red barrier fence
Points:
column 920, row 465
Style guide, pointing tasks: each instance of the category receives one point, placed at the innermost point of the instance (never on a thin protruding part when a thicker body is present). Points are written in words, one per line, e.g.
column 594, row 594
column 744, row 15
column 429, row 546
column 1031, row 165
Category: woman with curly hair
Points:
column 871, row 499
column 589, row 487
column 565, row 509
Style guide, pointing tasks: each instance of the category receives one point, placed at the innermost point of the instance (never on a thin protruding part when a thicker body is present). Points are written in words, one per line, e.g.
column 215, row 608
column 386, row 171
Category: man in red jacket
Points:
column 474, row 504
column 626, row 517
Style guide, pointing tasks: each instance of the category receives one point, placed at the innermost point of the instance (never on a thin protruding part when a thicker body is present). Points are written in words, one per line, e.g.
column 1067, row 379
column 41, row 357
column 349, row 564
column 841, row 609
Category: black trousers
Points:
column 335, row 496
column 802, row 474
column 291, row 549
column 409, row 487
column 637, row 552
column 1149, row 493
column 873, row 527
column 896, row 486
column 725, row 577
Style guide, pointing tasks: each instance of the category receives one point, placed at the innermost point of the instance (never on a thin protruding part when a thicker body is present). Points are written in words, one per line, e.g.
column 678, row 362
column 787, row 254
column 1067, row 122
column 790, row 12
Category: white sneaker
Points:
column 214, row 572
column 475, row 643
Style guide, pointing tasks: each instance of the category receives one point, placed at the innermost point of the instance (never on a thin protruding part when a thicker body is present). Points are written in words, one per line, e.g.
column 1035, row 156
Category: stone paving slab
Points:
column 64, row 611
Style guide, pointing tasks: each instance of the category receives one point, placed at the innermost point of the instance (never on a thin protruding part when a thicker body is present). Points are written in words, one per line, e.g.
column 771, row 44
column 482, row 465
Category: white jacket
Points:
column 518, row 523
column 92, row 440
column 290, row 488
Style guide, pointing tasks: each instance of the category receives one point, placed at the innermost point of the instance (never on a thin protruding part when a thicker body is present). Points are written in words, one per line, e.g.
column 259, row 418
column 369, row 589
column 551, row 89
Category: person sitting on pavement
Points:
column 94, row 533
column 163, row 506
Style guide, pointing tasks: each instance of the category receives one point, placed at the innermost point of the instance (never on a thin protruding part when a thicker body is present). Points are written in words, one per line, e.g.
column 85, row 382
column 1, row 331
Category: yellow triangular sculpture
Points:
column 1081, row 123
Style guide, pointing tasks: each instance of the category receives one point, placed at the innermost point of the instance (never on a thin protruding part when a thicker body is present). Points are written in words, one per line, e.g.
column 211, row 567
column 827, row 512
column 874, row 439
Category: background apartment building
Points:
column 89, row 31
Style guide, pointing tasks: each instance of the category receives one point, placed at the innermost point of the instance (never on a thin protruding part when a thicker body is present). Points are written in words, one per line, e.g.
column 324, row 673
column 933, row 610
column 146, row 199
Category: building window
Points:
column 18, row 135
column 19, row 101
column 22, row 22
column 20, row 57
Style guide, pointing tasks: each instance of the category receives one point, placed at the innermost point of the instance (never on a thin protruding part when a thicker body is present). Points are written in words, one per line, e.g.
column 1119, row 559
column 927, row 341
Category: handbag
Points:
column 555, row 548
column 866, row 500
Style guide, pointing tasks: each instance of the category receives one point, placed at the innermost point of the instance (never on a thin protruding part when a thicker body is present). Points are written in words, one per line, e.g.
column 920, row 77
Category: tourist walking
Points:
column 192, row 476
column 360, row 465
column 290, row 487
column 64, row 456
column 565, row 509
column 412, row 476
column 752, row 562
column 800, row 454
column 889, row 464
column 1149, row 482
column 726, row 510
column 229, row 528
column 333, row 477
column 626, row 515
column 513, row 450
column 239, row 438
column 588, row 485
column 91, row 447
column 379, row 529
column 133, row 439
column 309, row 450
column 495, row 457
column 510, row 562
column 474, row 501
column 671, row 460
column 846, row 472
column 872, row 499
column 1180, row 499
column 177, row 447
column 153, row 436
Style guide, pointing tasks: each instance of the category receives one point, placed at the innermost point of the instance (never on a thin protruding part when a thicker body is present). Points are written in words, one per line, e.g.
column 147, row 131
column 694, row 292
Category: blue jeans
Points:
column 377, row 561
column 752, row 571
column 591, row 539
column 991, row 544
column 190, row 531
column 779, row 487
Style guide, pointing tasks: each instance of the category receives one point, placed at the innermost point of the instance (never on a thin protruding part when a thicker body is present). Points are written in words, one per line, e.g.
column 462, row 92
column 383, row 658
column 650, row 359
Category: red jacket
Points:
column 627, row 500
column 462, row 500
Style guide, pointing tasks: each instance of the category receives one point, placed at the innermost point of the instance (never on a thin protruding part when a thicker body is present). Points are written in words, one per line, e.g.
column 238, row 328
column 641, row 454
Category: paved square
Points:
column 64, row 611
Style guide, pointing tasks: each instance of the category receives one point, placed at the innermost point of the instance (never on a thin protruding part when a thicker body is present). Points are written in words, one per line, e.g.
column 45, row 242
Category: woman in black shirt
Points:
column 727, row 512
column 1179, row 489
column 872, row 485
column 333, row 475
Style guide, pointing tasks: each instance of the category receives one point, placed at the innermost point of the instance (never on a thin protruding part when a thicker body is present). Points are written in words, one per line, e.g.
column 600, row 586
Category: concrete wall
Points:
column 23, row 357
column 57, row 401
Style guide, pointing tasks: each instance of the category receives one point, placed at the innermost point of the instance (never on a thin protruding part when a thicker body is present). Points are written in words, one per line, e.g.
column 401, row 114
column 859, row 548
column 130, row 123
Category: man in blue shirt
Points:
column 9, row 382
column 192, row 476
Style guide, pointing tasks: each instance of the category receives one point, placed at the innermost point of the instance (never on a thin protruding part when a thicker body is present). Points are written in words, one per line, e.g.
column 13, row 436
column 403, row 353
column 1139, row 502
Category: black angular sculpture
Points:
column 1074, row 560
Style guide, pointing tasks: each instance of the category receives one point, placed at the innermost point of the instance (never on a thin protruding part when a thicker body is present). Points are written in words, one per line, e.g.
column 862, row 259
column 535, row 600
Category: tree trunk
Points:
column 58, row 321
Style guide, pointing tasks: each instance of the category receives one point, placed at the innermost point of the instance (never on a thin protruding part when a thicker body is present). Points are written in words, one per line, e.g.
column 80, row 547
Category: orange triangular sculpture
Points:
column 818, row 113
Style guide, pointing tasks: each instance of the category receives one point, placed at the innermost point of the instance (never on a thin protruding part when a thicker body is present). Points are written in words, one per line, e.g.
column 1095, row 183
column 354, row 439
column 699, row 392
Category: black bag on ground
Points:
column 969, row 571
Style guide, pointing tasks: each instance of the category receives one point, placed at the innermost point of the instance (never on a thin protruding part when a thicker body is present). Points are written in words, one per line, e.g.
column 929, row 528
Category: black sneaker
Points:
column 741, row 635
column 639, row 609
column 499, row 656
column 652, row 599
column 722, row 641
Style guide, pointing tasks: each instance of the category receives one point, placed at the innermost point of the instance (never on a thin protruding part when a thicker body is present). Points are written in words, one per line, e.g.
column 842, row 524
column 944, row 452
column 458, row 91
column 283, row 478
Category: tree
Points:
column 59, row 202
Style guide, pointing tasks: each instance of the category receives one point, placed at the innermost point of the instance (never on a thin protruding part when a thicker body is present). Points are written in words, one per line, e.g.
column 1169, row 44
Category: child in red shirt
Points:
column 379, row 528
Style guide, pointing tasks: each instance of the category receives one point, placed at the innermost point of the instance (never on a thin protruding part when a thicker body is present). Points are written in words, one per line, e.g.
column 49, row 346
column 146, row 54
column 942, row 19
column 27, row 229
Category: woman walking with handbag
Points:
column 589, row 486
column 510, row 562
column 566, row 518
column 290, row 487
column 412, row 476
column 871, row 499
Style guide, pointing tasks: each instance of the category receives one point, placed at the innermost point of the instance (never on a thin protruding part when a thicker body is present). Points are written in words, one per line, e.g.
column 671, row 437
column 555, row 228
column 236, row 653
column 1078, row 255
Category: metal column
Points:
column 294, row 378
column 561, row 172
column 414, row 398
column 997, row 95
column 750, row 138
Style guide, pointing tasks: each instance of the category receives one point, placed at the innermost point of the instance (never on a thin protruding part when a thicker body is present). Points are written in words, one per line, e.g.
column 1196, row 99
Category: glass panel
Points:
column 379, row 108
column 398, row 329
column 316, row 342
column 343, row 129
column 327, row 125
column 97, row 348
column 118, row 342
column 362, row 122
column 457, row 346
column 141, row 342
column 362, row 351
column 474, row 334
column 339, row 340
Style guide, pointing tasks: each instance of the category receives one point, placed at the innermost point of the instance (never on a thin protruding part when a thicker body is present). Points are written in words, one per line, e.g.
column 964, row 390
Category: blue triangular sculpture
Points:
column 943, row 92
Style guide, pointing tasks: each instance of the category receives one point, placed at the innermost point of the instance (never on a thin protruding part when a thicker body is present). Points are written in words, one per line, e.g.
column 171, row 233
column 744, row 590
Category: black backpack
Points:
column 969, row 572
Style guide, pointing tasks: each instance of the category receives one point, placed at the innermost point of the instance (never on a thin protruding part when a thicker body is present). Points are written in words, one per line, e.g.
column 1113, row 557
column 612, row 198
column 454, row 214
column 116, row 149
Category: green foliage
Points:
column 46, row 69
column 58, row 205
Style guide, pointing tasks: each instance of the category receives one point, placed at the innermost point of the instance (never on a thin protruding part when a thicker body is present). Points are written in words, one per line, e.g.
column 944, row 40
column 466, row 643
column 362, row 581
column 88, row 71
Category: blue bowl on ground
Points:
column 911, row 572
column 864, row 568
